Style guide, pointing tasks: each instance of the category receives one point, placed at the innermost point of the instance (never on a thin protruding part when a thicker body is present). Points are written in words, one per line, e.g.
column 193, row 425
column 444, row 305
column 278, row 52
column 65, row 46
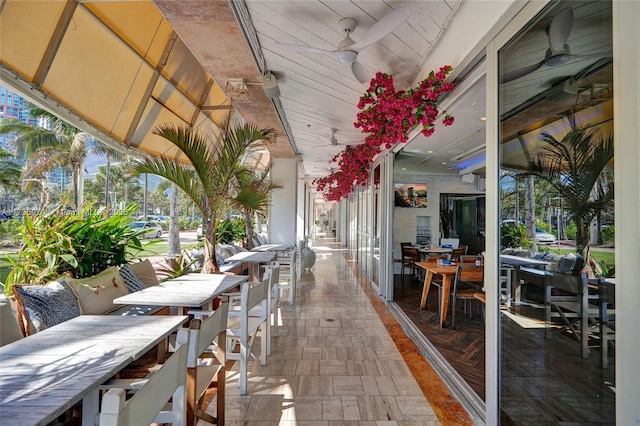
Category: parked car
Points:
column 151, row 229
column 542, row 236
column 154, row 218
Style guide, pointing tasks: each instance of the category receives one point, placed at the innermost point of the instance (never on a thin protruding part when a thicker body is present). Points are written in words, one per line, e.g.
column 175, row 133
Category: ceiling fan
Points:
column 332, row 140
column 347, row 51
column 558, row 52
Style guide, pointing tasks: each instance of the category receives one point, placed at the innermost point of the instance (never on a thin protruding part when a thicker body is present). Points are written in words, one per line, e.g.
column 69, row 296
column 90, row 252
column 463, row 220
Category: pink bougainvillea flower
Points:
column 387, row 116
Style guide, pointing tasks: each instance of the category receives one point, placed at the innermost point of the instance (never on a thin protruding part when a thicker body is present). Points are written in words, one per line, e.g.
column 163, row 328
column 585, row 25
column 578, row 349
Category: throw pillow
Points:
column 48, row 305
column 145, row 272
column 95, row 294
column 239, row 249
column 132, row 282
column 567, row 264
column 9, row 327
column 219, row 259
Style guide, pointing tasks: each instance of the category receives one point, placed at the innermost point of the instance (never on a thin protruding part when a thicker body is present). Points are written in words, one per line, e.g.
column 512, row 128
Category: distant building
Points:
column 15, row 106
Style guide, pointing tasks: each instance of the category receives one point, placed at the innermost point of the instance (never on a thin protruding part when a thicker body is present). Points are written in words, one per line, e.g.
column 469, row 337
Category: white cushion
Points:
column 9, row 327
column 145, row 272
column 95, row 294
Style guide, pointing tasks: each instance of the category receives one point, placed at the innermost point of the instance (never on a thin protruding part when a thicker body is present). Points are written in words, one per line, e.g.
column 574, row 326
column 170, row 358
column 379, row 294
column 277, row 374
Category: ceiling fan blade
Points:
column 303, row 48
column 383, row 27
column 594, row 55
column 360, row 72
column 514, row 75
column 560, row 28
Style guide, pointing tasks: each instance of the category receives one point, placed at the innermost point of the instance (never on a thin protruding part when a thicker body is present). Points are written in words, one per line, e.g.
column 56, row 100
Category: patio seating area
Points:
column 332, row 359
column 534, row 383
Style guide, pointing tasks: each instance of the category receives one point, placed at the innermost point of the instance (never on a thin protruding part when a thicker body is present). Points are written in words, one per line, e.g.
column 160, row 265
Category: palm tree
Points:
column 579, row 168
column 9, row 174
column 253, row 196
column 59, row 144
column 9, row 171
column 210, row 181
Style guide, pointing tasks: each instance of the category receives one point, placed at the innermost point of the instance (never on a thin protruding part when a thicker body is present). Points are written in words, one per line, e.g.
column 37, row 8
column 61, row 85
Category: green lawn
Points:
column 151, row 248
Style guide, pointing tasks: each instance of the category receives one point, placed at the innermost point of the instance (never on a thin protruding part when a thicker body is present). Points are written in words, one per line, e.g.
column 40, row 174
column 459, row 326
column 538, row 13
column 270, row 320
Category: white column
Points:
column 283, row 211
column 626, row 110
column 300, row 222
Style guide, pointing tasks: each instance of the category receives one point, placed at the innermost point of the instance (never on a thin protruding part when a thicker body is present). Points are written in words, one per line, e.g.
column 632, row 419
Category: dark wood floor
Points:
column 543, row 381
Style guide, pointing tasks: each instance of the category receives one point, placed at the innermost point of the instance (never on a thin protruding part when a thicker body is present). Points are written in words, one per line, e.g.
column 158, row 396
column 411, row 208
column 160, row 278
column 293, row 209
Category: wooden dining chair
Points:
column 147, row 405
column 242, row 327
column 273, row 303
column 288, row 275
column 456, row 253
column 401, row 259
column 411, row 257
column 206, row 363
column 466, row 283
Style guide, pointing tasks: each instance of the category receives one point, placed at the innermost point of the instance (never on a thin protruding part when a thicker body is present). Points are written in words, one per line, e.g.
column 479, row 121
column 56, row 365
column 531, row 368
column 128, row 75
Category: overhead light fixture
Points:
column 468, row 178
column 468, row 153
column 237, row 90
column 270, row 85
column 347, row 56
column 299, row 158
column 483, row 118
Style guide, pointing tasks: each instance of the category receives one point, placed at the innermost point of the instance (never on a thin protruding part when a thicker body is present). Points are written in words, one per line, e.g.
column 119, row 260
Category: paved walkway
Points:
column 340, row 359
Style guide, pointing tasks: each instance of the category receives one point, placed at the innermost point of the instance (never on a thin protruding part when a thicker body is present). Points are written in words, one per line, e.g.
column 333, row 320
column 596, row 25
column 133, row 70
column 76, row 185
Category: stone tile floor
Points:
column 336, row 362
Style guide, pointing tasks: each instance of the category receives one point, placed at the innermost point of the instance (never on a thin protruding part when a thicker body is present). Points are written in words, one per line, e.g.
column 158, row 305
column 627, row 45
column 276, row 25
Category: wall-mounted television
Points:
column 410, row 195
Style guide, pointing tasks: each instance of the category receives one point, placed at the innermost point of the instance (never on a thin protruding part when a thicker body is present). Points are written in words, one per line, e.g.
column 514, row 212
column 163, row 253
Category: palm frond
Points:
column 192, row 144
column 173, row 171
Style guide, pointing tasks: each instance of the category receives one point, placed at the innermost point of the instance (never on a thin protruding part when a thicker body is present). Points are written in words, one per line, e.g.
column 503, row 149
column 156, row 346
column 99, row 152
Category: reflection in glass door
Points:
column 556, row 329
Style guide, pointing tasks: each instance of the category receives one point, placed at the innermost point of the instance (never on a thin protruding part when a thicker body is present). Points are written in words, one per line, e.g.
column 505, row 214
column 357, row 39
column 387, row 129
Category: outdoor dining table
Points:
column 434, row 250
column 45, row 374
column 254, row 259
column 513, row 263
column 448, row 273
column 272, row 247
column 191, row 290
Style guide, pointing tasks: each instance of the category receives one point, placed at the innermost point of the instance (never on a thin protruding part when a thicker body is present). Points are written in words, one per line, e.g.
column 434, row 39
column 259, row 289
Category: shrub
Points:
column 571, row 230
column 609, row 234
column 79, row 245
column 231, row 230
column 514, row 235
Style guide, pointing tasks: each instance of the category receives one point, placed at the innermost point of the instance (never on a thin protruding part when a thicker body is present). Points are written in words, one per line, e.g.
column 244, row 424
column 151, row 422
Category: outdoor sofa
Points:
column 42, row 306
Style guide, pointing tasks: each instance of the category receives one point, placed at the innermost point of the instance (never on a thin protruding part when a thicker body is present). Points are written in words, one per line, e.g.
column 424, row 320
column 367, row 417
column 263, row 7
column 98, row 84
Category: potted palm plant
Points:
column 210, row 180
column 579, row 167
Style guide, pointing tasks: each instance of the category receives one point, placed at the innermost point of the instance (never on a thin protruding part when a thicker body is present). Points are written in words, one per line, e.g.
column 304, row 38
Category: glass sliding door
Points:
column 555, row 104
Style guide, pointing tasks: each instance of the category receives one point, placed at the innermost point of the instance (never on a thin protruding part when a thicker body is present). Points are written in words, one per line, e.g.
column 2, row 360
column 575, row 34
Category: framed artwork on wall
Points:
column 410, row 195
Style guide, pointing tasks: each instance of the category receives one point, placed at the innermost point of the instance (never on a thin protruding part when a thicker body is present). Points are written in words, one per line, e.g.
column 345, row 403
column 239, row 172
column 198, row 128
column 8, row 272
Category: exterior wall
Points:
column 626, row 80
column 405, row 219
column 283, row 209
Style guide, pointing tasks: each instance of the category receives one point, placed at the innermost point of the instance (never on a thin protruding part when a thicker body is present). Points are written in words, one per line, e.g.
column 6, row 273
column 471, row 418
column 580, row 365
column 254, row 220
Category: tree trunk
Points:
column 530, row 210
column 249, row 231
column 75, row 176
column 80, row 185
column 174, row 223
column 210, row 265
column 107, row 170
column 582, row 234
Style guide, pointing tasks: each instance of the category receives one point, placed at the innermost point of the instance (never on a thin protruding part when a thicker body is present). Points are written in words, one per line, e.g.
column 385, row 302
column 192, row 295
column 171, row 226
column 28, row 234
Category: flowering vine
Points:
column 387, row 115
